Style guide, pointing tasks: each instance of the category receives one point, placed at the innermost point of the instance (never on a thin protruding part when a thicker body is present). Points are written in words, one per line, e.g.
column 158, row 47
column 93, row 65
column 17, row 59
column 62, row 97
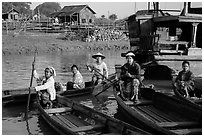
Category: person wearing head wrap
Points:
column 130, row 75
column 46, row 86
column 99, row 67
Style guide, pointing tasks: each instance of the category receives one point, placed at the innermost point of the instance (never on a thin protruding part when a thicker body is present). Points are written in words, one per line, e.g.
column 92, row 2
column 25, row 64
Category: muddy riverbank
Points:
column 26, row 42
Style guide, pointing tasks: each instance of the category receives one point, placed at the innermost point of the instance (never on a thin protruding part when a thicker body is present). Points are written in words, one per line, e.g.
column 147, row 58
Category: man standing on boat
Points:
column 99, row 68
column 130, row 75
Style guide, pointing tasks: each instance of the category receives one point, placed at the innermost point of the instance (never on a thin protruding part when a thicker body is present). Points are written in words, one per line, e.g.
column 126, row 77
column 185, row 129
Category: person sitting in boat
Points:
column 185, row 80
column 99, row 68
column 46, row 87
column 77, row 79
column 130, row 76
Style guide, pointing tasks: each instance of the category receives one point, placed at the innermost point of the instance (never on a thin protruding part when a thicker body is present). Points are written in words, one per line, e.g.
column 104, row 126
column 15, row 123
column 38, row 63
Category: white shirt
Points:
column 102, row 69
column 78, row 81
column 49, row 84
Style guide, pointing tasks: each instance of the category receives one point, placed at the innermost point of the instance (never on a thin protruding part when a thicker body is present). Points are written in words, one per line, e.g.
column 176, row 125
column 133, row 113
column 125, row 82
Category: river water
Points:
column 16, row 73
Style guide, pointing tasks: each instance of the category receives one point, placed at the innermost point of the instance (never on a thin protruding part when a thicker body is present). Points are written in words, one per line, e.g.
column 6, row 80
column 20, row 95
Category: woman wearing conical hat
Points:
column 99, row 68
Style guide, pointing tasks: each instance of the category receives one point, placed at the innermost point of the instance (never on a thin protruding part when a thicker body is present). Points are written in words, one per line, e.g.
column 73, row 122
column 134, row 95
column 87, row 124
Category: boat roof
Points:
column 70, row 10
column 188, row 18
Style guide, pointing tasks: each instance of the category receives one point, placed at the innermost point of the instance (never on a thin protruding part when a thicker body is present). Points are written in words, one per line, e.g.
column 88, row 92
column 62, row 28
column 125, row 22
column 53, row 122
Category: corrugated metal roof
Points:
column 11, row 11
column 69, row 10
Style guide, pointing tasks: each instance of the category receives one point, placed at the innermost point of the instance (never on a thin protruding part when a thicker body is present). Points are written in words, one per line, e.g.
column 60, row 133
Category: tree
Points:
column 102, row 21
column 102, row 16
column 21, row 7
column 47, row 8
column 113, row 17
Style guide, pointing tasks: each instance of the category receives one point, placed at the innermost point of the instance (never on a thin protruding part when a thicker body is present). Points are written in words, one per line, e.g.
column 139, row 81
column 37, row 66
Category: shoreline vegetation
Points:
column 24, row 43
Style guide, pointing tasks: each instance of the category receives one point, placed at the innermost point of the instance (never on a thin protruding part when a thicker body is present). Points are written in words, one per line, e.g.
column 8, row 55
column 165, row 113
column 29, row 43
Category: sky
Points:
column 121, row 8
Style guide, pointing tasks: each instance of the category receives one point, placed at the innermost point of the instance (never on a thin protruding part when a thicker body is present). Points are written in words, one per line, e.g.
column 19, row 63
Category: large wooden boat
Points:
column 163, row 36
column 197, row 99
column 69, row 117
column 160, row 114
column 21, row 95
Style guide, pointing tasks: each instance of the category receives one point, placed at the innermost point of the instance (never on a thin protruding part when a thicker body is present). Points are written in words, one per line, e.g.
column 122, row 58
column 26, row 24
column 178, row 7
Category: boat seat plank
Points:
column 7, row 96
column 192, row 131
column 7, row 99
column 177, row 124
column 129, row 103
column 78, row 122
column 139, row 103
column 142, row 102
column 66, row 121
column 58, row 110
column 86, row 128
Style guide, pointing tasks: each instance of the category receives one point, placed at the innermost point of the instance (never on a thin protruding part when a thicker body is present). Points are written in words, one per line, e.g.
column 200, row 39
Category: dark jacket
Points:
column 133, row 69
column 187, row 77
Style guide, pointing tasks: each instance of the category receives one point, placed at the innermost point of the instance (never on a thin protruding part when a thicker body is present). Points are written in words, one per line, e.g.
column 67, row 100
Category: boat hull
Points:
column 20, row 96
column 151, row 113
column 73, row 118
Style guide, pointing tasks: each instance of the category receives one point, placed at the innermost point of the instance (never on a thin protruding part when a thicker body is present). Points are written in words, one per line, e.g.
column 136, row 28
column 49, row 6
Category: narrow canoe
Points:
column 161, row 77
column 69, row 117
column 11, row 96
column 160, row 114
column 90, row 88
column 21, row 95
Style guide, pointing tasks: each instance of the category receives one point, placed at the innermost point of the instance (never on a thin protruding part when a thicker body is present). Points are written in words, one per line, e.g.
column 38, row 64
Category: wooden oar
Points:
column 31, row 82
column 93, row 68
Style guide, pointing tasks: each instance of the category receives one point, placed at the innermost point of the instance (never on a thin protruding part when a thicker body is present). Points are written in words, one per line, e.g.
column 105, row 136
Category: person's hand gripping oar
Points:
column 97, row 71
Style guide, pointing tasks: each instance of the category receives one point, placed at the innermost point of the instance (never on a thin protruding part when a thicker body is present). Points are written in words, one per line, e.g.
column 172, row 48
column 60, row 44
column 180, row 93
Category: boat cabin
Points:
column 158, row 32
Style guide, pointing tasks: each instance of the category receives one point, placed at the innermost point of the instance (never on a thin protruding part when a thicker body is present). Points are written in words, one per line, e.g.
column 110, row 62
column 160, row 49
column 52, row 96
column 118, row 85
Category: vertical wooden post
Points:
column 194, row 34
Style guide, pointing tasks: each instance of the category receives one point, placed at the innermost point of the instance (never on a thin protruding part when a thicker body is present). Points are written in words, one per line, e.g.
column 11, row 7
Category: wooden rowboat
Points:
column 11, row 96
column 90, row 88
column 21, row 95
column 160, row 114
column 70, row 117
column 197, row 100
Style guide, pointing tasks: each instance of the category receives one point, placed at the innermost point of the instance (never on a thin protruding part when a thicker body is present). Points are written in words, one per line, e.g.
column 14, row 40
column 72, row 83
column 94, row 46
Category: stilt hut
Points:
column 11, row 15
column 75, row 16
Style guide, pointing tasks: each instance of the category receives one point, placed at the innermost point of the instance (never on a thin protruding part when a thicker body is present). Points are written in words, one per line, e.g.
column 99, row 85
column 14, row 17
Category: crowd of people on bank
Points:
column 129, row 81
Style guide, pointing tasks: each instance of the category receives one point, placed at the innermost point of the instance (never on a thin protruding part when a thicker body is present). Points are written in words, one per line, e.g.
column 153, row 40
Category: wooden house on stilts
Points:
column 75, row 16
